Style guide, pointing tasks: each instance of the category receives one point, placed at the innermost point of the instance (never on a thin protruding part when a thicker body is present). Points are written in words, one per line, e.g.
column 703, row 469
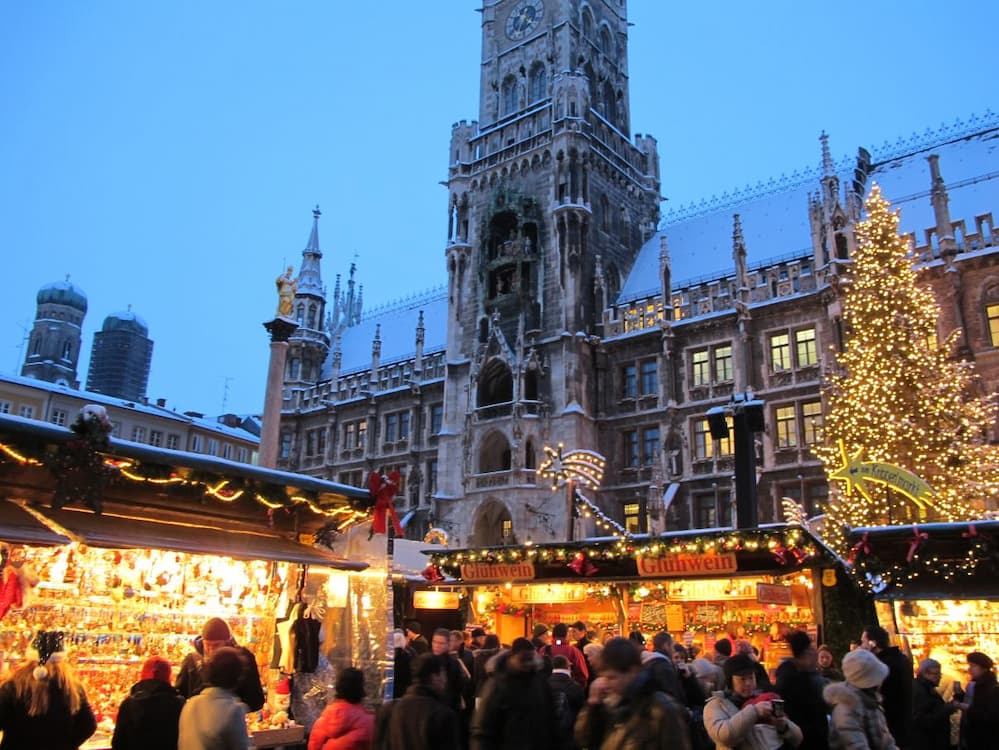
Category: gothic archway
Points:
column 493, row 525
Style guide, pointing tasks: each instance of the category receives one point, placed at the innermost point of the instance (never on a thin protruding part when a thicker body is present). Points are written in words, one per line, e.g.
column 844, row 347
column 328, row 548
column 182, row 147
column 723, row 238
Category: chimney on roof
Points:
column 161, row 402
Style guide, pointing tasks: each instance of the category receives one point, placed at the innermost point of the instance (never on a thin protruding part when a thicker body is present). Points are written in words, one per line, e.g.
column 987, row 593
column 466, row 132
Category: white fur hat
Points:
column 863, row 669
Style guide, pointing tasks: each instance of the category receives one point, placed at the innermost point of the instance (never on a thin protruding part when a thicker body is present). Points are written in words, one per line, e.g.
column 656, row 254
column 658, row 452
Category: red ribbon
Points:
column 432, row 573
column 971, row 533
column 780, row 554
column 861, row 546
column 11, row 592
column 582, row 566
column 918, row 537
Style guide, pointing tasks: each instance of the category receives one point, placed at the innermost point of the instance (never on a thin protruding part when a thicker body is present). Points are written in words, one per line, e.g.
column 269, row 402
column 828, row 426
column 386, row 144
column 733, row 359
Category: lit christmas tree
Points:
column 900, row 398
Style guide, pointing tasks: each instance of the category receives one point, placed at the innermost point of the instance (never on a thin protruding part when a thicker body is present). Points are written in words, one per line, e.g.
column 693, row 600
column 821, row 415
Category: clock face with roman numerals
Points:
column 524, row 18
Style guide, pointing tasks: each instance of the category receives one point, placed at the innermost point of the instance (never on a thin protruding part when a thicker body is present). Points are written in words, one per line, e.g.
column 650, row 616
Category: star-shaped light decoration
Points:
column 580, row 466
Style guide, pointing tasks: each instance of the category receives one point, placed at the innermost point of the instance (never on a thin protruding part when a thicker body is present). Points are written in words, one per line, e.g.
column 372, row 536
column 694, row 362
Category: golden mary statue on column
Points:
column 287, row 287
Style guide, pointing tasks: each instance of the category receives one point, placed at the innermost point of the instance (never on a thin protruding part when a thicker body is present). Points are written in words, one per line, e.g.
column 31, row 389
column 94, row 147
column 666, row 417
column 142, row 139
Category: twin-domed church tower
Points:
column 550, row 202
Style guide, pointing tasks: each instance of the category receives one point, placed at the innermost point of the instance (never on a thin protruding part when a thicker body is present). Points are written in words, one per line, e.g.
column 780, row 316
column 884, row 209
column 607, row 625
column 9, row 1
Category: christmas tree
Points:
column 899, row 397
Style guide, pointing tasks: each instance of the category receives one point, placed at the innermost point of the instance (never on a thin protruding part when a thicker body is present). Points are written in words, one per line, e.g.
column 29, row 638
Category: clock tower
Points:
column 549, row 202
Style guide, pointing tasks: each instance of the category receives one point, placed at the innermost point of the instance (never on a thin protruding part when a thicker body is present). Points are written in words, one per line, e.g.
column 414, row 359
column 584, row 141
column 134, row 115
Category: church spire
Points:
column 310, row 280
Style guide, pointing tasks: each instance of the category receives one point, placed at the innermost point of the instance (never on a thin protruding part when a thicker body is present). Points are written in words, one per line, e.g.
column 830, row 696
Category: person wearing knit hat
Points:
column 540, row 636
column 980, row 726
column 857, row 718
column 192, row 675
column 43, row 705
column 148, row 717
column 739, row 717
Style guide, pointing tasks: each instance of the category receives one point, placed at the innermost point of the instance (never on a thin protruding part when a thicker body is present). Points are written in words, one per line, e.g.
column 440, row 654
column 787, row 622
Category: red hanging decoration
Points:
column 11, row 591
column 861, row 546
column 581, row 566
column 971, row 533
column 383, row 490
column 432, row 573
column 918, row 537
column 780, row 554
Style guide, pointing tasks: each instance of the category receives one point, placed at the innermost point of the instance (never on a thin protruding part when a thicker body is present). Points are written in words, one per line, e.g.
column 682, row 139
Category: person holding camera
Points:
column 740, row 718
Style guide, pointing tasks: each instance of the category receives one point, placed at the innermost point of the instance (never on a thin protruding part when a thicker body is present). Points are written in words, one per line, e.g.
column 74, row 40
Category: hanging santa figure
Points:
column 383, row 489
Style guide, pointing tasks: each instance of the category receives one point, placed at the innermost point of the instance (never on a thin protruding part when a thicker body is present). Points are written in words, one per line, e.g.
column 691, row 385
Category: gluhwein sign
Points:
column 687, row 565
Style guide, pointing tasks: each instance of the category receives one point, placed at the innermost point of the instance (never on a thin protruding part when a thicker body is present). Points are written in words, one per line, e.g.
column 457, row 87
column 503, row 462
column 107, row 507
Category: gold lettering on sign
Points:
column 497, row 571
column 687, row 565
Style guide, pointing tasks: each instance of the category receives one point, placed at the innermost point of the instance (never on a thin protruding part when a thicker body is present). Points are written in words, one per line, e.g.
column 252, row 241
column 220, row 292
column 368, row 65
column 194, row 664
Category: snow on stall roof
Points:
column 774, row 214
column 398, row 321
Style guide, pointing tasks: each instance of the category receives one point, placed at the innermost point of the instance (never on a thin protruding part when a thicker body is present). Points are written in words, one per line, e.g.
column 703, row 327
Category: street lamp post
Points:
column 746, row 414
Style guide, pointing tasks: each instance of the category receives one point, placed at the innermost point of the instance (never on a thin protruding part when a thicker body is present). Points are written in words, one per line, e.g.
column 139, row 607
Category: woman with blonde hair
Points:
column 43, row 705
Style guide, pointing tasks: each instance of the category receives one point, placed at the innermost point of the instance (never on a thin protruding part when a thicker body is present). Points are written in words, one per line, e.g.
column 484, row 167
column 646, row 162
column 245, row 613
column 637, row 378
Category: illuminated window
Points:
column 725, row 444
column 631, row 448
column 632, row 517
column 650, row 445
column 629, row 381
column 703, row 446
column 993, row 312
column 780, row 352
column 804, row 341
column 507, row 528
column 723, row 364
column 811, row 415
column 650, row 378
column 787, row 431
column 700, row 370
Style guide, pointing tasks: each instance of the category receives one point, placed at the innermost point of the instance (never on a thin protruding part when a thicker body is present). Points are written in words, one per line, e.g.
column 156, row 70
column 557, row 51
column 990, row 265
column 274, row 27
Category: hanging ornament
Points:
column 582, row 566
column 432, row 573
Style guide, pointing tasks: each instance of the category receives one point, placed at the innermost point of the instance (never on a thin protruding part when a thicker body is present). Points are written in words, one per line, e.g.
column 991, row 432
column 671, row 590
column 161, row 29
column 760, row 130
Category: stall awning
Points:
column 18, row 526
column 122, row 529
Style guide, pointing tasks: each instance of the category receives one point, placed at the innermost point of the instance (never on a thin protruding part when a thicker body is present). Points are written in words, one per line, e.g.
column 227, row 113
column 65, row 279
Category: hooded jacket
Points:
column 148, row 718
column 858, row 722
column 644, row 719
column 516, row 710
column 732, row 727
column 801, row 690
column 663, row 672
column 343, row 726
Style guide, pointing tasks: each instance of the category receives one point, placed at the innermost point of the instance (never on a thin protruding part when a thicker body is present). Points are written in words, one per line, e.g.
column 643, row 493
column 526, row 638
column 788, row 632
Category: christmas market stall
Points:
column 934, row 587
column 753, row 584
column 129, row 548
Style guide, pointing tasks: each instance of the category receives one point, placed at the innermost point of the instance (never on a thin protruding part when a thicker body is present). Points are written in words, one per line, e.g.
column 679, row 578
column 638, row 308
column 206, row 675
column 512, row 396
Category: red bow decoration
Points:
column 971, row 533
column 11, row 591
column 383, row 490
column 432, row 573
column 799, row 554
column 918, row 537
column 780, row 554
column 861, row 546
column 582, row 566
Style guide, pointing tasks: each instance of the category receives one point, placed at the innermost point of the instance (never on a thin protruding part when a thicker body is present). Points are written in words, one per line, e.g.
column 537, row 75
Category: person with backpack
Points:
column 561, row 646
column 568, row 697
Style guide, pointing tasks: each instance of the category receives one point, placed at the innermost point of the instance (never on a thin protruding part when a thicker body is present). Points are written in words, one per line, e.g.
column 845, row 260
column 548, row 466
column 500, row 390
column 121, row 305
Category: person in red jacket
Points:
column 345, row 724
column 560, row 646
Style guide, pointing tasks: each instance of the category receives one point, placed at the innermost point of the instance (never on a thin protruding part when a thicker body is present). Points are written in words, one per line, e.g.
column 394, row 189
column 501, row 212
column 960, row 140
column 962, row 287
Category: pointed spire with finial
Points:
column 421, row 332
column 827, row 162
column 310, row 280
column 665, row 270
column 376, row 353
column 941, row 209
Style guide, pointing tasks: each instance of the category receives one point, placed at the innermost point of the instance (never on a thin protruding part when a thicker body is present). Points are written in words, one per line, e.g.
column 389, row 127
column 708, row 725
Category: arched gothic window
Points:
column 509, row 96
column 300, row 312
column 587, row 23
column 67, row 350
column 606, row 43
column 538, row 87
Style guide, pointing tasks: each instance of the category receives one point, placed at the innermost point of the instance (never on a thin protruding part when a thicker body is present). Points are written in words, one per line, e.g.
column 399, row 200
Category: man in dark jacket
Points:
column 420, row 720
column 930, row 713
column 480, row 673
column 896, row 690
column 659, row 664
column 215, row 634
column 414, row 637
column 149, row 717
column 980, row 727
column 800, row 685
column 516, row 710
column 569, row 698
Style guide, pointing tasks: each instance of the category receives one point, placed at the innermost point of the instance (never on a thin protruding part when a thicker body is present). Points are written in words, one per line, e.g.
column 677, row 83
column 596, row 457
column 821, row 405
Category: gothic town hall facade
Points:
column 574, row 313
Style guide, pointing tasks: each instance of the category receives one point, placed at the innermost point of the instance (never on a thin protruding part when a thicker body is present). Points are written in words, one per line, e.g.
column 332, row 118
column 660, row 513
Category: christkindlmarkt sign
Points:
column 857, row 473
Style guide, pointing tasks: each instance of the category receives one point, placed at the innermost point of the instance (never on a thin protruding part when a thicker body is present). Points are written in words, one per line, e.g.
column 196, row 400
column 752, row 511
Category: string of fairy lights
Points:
column 222, row 490
column 789, row 546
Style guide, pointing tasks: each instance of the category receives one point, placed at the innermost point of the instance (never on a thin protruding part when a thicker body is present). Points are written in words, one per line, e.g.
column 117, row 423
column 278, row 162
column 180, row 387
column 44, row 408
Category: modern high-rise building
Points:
column 120, row 357
column 54, row 344
column 574, row 313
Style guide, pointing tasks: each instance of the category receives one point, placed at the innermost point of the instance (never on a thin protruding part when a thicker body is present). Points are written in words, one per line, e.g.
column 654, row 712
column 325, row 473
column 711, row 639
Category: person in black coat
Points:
column 420, row 720
column 980, row 727
column 659, row 664
column 800, row 685
column 896, row 690
column 191, row 678
column 930, row 713
column 401, row 666
column 516, row 710
column 149, row 717
column 569, row 697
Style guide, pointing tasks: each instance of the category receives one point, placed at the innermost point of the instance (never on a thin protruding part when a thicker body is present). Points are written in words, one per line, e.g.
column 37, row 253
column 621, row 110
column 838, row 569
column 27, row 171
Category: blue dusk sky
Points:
column 167, row 155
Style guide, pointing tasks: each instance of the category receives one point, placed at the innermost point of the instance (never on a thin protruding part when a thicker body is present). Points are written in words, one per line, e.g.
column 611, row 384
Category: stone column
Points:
column 279, row 329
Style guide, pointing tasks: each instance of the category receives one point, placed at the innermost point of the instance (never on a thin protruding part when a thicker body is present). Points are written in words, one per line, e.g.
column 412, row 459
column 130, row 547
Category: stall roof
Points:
column 125, row 530
column 21, row 527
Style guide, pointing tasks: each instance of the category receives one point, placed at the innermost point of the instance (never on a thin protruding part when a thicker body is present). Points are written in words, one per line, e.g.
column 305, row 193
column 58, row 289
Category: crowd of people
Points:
column 559, row 690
